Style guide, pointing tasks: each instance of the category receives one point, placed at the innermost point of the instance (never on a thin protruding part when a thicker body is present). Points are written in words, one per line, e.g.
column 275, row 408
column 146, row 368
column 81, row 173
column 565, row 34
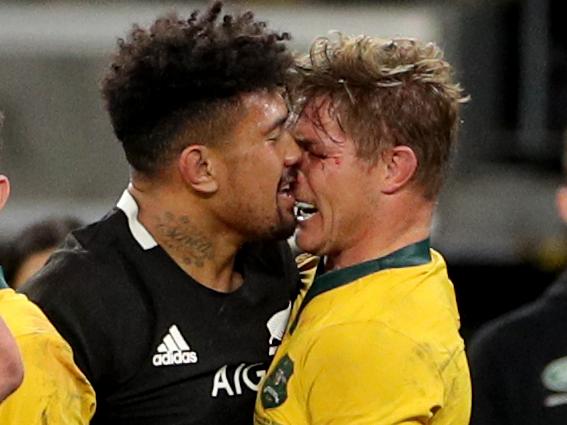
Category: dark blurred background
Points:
column 496, row 223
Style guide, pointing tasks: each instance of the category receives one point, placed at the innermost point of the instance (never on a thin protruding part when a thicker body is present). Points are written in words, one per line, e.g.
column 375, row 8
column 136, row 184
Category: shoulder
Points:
column 508, row 330
column 52, row 379
column 54, row 387
column 86, row 285
column 522, row 334
column 92, row 276
column 88, row 266
column 23, row 316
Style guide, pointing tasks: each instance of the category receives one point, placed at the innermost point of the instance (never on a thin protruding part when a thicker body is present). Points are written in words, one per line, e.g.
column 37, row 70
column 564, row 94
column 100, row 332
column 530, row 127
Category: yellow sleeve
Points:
column 366, row 373
column 11, row 367
column 54, row 390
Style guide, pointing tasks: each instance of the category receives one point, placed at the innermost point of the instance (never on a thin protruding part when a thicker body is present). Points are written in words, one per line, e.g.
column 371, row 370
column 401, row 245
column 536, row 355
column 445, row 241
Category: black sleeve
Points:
column 87, row 301
column 487, row 357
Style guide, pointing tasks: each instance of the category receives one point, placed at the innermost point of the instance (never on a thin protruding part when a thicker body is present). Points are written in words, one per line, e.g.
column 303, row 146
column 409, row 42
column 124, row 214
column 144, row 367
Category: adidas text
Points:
column 176, row 358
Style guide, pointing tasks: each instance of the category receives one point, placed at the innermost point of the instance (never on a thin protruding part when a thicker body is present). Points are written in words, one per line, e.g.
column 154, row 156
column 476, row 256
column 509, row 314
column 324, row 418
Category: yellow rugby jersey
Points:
column 376, row 343
column 54, row 390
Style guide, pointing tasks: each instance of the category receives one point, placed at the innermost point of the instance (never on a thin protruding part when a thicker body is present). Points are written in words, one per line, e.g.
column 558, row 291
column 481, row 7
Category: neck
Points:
column 404, row 224
column 181, row 224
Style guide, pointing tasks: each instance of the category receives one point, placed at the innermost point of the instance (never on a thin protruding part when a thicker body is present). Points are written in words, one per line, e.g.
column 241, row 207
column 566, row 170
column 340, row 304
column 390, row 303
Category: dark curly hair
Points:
column 182, row 75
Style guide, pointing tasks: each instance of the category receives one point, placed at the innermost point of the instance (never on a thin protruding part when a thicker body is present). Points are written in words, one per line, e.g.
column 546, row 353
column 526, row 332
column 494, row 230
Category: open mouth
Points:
column 304, row 211
column 287, row 184
column 285, row 188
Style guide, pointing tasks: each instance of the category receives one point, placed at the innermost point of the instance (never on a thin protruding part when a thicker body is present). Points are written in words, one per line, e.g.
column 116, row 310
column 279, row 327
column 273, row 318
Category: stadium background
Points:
column 496, row 224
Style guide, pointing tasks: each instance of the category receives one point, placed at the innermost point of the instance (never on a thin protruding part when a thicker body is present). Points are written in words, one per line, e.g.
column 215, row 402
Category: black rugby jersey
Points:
column 519, row 364
column 158, row 347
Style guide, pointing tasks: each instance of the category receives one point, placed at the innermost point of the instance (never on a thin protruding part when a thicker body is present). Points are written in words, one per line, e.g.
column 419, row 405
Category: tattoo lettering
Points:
column 179, row 234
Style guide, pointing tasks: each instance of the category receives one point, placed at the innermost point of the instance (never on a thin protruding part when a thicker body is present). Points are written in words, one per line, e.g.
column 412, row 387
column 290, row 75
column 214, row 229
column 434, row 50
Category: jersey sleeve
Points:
column 11, row 368
column 54, row 390
column 366, row 373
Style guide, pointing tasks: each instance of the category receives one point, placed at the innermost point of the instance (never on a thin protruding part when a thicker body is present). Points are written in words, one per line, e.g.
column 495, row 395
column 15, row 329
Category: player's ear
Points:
column 399, row 164
column 4, row 190
column 196, row 165
column 561, row 202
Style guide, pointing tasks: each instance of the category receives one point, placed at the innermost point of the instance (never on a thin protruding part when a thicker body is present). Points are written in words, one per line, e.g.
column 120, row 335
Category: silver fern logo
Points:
column 554, row 376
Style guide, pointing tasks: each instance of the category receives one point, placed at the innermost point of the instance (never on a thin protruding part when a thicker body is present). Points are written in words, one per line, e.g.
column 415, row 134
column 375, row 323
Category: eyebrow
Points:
column 303, row 142
column 278, row 123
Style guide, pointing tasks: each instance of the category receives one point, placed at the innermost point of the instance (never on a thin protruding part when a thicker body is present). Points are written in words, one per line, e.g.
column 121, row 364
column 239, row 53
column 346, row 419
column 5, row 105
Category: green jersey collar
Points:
column 411, row 255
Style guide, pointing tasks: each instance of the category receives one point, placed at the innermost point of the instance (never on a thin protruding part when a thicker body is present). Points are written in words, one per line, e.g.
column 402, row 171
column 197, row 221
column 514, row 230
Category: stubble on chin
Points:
column 286, row 225
column 278, row 228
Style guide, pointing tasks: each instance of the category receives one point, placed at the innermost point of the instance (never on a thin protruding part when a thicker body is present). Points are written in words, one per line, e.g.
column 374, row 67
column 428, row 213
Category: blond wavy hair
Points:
column 387, row 93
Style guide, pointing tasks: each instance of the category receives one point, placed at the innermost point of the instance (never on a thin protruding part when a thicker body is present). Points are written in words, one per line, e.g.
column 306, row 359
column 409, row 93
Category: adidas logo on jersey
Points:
column 174, row 350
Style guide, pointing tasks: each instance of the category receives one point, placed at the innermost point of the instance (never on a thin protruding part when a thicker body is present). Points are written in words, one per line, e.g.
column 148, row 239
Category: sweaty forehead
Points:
column 269, row 104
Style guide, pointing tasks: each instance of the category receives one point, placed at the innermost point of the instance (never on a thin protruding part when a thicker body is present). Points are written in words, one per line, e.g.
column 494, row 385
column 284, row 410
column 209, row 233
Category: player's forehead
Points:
column 266, row 104
column 318, row 121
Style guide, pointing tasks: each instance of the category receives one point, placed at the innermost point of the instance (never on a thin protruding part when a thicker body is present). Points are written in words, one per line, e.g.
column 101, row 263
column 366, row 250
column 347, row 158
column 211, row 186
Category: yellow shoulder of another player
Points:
column 54, row 390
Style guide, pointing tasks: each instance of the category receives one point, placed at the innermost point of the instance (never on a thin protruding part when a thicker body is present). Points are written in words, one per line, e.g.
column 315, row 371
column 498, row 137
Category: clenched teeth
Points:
column 304, row 211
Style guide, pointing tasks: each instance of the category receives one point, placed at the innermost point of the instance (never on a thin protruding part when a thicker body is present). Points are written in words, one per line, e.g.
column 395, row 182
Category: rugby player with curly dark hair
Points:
column 175, row 302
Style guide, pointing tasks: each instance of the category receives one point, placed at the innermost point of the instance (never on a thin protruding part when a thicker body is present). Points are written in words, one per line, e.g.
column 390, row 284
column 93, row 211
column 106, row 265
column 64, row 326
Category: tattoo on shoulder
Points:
column 180, row 234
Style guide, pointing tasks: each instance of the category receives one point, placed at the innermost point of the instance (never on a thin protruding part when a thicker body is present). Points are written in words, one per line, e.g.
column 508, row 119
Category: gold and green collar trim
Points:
column 416, row 254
